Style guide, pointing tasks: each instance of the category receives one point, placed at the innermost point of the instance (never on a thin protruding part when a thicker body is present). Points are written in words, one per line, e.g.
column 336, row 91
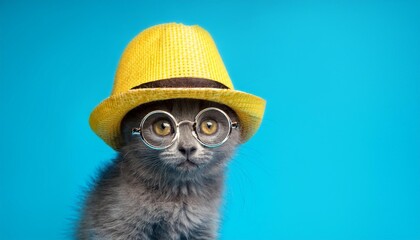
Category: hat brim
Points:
column 106, row 118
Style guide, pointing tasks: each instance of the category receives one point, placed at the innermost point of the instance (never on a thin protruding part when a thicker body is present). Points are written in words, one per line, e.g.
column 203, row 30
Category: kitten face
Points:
column 186, row 157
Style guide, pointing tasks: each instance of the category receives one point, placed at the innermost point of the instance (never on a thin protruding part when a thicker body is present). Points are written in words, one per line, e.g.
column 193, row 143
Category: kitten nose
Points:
column 187, row 150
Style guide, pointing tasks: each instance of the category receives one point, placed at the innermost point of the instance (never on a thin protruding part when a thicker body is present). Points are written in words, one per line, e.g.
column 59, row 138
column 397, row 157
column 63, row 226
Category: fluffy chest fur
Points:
column 182, row 205
column 137, row 211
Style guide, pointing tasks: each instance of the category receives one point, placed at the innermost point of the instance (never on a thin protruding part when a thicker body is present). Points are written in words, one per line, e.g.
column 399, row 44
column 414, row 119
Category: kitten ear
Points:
column 125, row 133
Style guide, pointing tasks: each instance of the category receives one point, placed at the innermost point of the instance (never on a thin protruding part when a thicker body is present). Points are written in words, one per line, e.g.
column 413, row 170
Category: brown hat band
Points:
column 182, row 83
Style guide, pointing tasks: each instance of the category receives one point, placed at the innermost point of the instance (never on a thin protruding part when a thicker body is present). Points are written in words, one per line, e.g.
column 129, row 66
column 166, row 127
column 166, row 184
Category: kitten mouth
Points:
column 188, row 164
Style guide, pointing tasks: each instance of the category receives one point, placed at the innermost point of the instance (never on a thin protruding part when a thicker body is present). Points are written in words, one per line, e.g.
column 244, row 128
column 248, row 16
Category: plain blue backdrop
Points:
column 337, row 155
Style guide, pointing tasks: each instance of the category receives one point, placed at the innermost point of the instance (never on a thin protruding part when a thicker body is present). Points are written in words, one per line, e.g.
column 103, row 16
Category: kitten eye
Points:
column 208, row 127
column 162, row 128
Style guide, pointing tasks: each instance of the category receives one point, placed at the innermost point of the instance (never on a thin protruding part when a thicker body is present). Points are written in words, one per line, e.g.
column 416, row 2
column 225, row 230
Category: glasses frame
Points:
column 138, row 131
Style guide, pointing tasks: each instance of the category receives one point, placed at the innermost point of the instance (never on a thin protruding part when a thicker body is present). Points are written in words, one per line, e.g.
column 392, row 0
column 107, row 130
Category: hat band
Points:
column 182, row 83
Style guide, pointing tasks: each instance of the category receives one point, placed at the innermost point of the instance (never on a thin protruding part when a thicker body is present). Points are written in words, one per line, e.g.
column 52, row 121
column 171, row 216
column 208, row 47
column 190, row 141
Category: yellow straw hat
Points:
column 170, row 61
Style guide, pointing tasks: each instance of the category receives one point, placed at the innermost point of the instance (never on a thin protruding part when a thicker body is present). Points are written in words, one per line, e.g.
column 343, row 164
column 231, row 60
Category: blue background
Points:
column 338, row 153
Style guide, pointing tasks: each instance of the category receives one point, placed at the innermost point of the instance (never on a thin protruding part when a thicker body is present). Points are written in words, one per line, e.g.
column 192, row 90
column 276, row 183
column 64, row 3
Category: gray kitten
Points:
column 172, row 193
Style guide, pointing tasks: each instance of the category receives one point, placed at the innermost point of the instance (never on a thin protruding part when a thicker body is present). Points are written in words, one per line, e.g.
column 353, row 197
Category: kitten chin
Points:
column 173, row 193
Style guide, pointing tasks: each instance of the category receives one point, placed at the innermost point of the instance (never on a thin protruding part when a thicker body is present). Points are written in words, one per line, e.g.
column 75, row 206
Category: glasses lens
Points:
column 158, row 130
column 213, row 127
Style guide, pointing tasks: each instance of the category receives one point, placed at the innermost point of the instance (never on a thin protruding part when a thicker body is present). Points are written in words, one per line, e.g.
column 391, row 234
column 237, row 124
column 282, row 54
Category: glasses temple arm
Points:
column 135, row 131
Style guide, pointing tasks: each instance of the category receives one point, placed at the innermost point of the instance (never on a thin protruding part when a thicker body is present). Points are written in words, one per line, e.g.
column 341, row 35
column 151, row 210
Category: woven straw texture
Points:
column 171, row 51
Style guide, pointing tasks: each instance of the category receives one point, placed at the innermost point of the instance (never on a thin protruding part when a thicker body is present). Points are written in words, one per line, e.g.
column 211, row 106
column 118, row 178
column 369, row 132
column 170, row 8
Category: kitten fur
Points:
column 148, row 194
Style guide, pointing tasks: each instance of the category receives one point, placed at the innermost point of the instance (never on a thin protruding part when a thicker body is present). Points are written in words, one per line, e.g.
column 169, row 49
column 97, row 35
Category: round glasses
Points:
column 159, row 129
